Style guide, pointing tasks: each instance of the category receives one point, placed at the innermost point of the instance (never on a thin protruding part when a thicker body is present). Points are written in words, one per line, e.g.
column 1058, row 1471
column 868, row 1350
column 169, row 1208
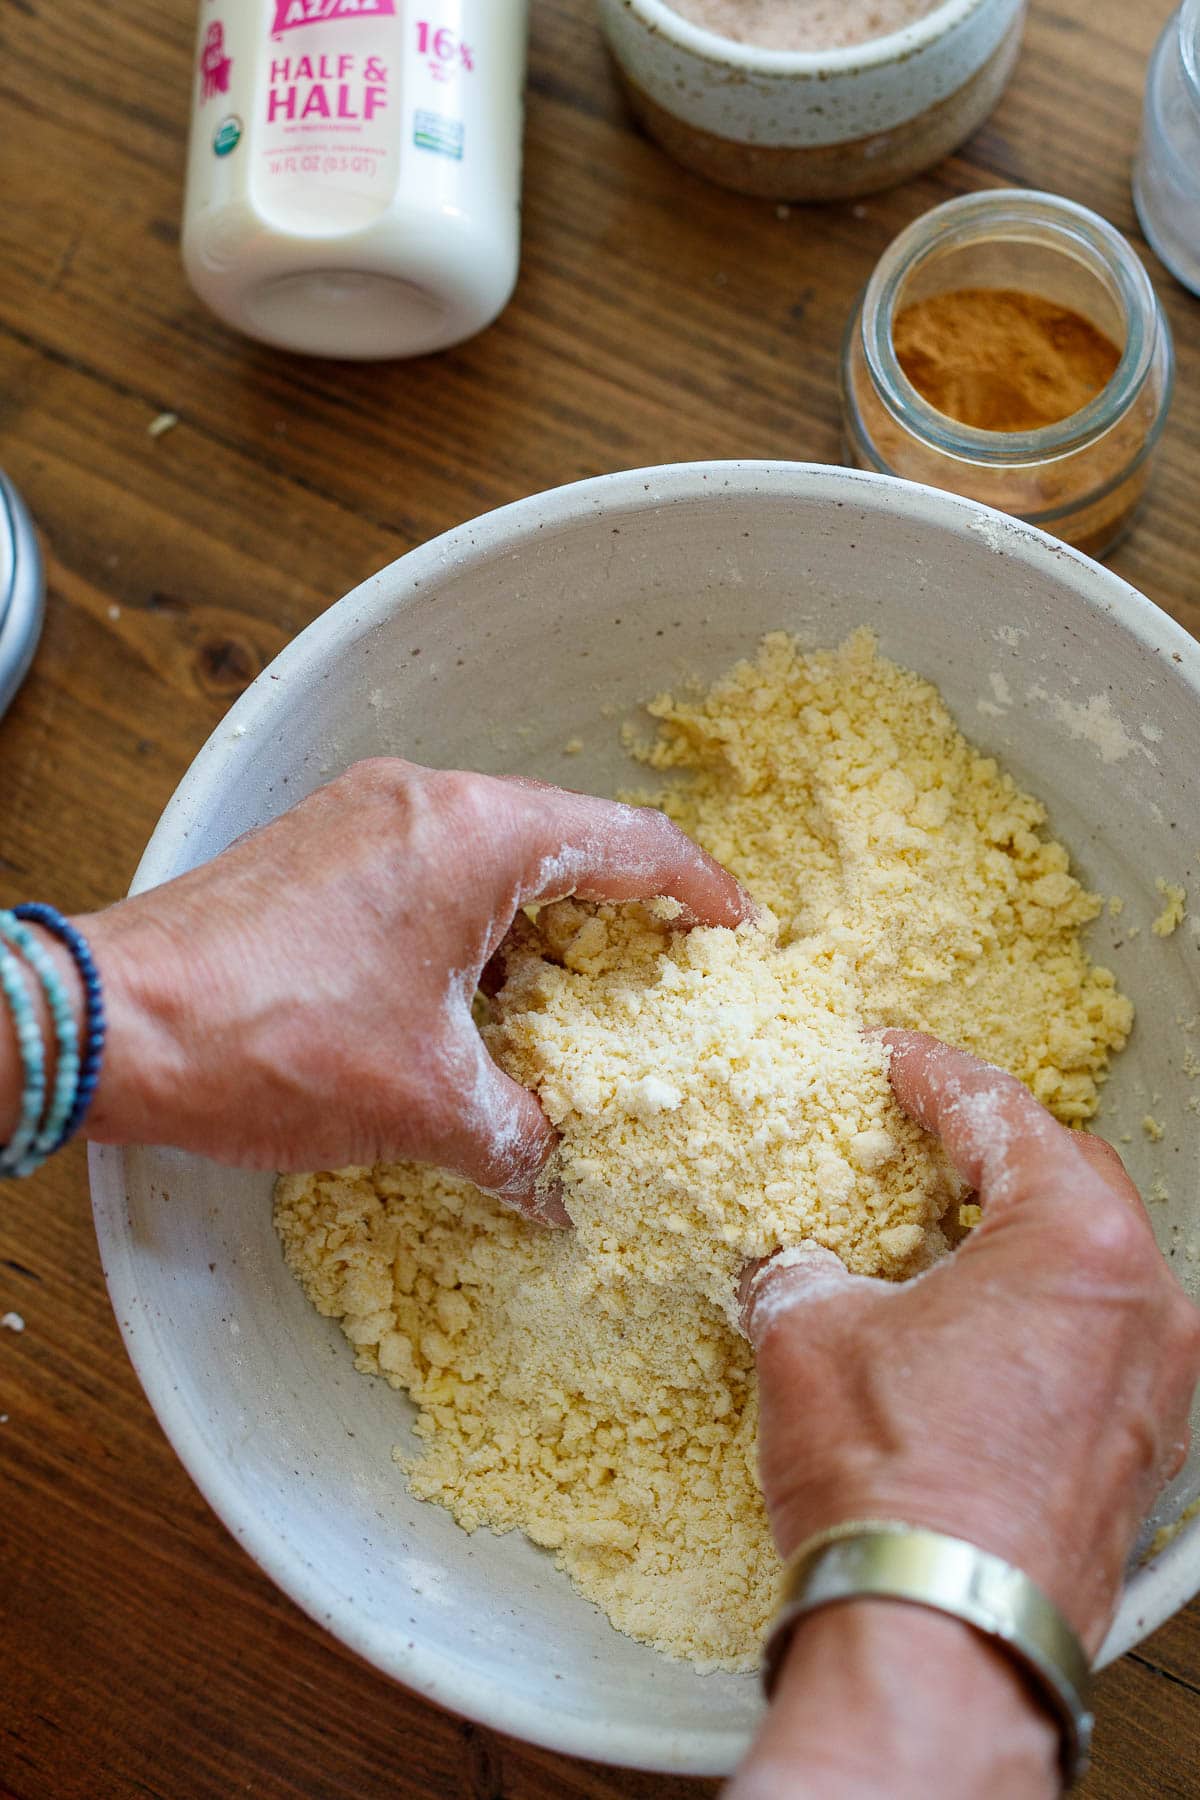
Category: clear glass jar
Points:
column 1081, row 479
column 22, row 591
column 1166, row 176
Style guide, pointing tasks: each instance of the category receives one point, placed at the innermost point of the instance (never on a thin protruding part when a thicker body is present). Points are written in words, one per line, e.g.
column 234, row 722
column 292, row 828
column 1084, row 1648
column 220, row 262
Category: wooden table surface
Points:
column 657, row 319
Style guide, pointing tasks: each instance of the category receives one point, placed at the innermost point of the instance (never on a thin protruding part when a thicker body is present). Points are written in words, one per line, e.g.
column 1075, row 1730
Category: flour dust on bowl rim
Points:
column 491, row 647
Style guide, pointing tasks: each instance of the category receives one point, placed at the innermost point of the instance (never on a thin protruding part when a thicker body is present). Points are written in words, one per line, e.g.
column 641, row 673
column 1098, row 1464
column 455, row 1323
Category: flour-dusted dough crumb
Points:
column 1166, row 1534
column 837, row 786
column 556, row 1397
column 1174, row 899
column 715, row 1097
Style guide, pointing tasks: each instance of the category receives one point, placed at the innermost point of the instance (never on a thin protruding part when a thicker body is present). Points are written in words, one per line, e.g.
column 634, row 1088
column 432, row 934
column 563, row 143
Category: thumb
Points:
column 777, row 1289
column 503, row 1140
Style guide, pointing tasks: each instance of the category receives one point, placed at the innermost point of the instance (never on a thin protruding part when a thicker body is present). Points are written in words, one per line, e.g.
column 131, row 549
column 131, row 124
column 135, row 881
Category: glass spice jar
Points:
column 1082, row 478
column 22, row 591
column 1166, row 177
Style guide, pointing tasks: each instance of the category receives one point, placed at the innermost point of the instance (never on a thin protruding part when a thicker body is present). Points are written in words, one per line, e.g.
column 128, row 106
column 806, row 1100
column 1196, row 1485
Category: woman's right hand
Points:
column 303, row 1000
column 1030, row 1393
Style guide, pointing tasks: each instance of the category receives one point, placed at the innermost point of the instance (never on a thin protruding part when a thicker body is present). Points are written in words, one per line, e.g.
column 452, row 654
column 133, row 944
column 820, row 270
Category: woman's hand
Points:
column 1030, row 1393
column 304, row 1000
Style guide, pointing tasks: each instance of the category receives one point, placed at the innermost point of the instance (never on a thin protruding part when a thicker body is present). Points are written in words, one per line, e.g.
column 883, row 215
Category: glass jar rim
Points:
column 1189, row 45
column 1033, row 217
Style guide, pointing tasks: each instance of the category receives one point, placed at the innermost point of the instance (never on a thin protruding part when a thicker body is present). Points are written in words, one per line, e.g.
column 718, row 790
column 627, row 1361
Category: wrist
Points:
column 878, row 1696
column 12, row 1074
column 123, row 1108
column 145, row 1061
column 1009, row 1518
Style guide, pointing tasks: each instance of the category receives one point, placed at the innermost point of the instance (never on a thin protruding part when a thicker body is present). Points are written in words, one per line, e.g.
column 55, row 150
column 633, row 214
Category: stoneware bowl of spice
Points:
column 1010, row 346
column 820, row 101
column 521, row 641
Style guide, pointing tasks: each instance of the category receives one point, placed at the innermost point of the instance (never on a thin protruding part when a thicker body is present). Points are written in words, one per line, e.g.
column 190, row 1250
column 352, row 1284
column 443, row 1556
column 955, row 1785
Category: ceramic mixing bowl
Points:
column 490, row 648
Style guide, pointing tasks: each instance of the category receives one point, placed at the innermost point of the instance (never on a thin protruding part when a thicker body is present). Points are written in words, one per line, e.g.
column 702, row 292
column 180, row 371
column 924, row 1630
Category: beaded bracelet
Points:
column 95, row 1024
column 66, row 1035
column 33, row 1061
column 44, row 1128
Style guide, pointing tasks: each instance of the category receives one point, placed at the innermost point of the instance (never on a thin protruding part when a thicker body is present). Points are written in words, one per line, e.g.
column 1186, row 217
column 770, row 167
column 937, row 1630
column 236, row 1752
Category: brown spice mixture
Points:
column 1002, row 360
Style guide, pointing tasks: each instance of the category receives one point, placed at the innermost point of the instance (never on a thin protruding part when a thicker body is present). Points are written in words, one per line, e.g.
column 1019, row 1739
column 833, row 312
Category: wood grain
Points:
column 657, row 319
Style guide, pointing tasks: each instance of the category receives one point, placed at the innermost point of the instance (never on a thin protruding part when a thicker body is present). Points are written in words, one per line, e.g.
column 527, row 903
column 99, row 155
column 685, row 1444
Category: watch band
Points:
column 886, row 1559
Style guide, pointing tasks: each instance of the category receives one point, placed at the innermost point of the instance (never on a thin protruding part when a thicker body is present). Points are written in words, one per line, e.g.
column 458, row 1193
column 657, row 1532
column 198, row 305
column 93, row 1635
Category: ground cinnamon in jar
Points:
column 1002, row 360
column 1000, row 392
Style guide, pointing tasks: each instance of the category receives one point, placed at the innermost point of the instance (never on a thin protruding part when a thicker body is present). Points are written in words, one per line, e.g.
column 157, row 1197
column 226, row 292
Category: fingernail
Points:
column 548, row 1207
column 764, row 1291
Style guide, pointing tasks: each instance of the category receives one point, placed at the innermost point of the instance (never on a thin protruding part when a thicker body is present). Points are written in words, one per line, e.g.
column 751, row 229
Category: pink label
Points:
column 215, row 66
column 291, row 13
column 308, row 89
column 328, row 147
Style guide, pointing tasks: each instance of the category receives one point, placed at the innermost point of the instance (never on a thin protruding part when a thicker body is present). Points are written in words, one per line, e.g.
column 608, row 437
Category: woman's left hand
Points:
column 1029, row 1393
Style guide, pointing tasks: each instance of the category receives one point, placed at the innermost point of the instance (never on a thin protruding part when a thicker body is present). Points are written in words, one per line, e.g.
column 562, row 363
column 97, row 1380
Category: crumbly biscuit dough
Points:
column 715, row 1098
column 1174, row 908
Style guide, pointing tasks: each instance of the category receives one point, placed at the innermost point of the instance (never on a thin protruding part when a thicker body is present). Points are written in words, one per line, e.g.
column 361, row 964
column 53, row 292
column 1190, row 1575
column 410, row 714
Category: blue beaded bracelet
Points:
column 33, row 1061
column 95, row 1025
column 66, row 1036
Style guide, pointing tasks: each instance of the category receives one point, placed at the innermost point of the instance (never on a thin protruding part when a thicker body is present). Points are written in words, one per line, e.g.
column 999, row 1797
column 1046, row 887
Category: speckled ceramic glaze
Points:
column 545, row 621
column 814, row 125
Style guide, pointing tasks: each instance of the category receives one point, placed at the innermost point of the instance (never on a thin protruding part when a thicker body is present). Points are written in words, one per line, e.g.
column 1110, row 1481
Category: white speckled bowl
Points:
column 533, row 624
column 825, row 125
